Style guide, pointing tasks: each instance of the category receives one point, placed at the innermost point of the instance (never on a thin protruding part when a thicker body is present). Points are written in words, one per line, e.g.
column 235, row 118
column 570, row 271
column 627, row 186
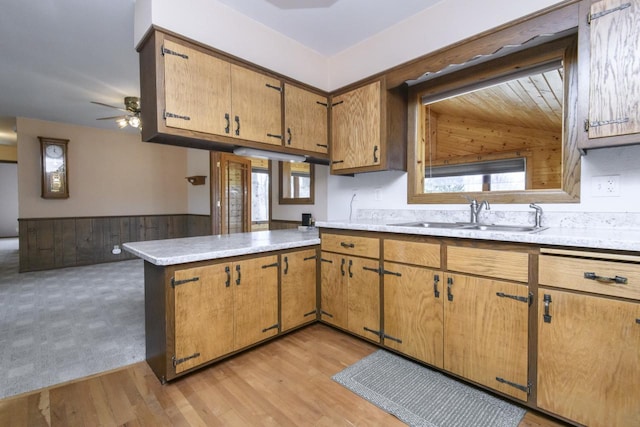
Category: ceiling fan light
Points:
column 134, row 121
column 122, row 123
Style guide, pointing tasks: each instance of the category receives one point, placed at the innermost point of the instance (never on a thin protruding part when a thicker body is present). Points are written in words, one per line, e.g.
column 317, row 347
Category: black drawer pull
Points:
column 604, row 279
column 347, row 245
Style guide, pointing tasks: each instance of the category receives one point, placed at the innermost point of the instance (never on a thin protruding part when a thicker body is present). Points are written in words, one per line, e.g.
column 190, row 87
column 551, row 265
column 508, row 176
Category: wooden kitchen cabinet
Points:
column 486, row 332
column 207, row 94
column 486, row 319
column 212, row 310
column 413, row 299
column 368, row 129
column 613, row 32
column 413, row 312
column 298, row 288
column 350, row 284
column 588, row 358
column 589, row 336
column 305, row 120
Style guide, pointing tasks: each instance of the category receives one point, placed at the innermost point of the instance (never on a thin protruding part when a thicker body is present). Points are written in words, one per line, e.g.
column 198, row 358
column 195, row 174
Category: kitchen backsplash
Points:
column 623, row 220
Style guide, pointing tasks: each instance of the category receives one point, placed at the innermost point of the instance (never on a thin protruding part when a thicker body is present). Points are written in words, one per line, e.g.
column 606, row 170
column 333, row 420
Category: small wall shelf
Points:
column 197, row 179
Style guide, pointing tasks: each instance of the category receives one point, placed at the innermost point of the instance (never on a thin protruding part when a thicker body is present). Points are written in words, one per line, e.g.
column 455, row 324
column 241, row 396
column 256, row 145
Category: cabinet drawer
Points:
column 606, row 277
column 488, row 262
column 417, row 253
column 353, row 245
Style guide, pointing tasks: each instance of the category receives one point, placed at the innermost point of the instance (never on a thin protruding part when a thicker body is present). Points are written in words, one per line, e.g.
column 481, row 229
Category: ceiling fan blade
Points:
column 107, row 105
column 112, row 118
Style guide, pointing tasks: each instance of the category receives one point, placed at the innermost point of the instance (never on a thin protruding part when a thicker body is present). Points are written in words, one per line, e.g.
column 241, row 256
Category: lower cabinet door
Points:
column 255, row 300
column 589, row 358
column 203, row 298
column 298, row 288
column 363, row 307
column 486, row 332
column 333, row 289
column 413, row 312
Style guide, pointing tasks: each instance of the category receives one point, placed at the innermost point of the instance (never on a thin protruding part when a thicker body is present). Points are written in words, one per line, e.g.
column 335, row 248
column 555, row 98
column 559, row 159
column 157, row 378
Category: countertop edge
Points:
column 612, row 239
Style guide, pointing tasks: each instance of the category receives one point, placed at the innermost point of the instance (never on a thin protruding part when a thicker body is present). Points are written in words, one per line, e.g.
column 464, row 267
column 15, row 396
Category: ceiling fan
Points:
column 131, row 107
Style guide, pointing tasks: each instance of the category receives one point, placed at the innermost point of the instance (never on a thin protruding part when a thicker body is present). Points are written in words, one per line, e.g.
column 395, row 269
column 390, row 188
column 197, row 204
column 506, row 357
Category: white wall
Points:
column 111, row 172
column 392, row 188
column 8, row 199
column 294, row 212
column 217, row 25
column 199, row 195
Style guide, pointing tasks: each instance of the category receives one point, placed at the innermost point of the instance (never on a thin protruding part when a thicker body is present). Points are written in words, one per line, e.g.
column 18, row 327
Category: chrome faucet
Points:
column 539, row 211
column 476, row 208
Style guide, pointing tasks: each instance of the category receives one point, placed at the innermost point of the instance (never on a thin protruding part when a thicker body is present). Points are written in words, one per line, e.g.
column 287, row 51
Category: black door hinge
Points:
column 515, row 297
column 389, row 337
column 591, row 17
column 525, row 388
column 176, row 362
column 271, row 327
column 378, row 333
column 175, row 282
column 175, row 116
column 166, row 51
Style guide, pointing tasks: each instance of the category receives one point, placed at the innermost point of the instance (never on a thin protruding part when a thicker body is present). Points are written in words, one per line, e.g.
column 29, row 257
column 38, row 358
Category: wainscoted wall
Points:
column 47, row 243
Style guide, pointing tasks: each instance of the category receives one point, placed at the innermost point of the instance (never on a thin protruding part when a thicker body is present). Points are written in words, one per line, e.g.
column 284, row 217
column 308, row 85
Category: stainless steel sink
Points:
column 469, row 226
column 507, row 228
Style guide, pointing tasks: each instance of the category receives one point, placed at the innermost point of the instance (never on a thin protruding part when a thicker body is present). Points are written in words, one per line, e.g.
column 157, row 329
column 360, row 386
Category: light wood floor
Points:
column 286, row 382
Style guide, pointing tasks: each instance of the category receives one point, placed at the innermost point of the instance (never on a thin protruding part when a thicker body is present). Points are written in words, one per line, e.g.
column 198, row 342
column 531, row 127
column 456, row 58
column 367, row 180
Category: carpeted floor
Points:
column 60, row 325
column 423, row 397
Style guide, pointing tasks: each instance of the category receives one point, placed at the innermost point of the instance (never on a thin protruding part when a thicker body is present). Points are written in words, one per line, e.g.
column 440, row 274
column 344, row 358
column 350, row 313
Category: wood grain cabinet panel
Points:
column 351, row 245
column 486, row 329
column 197, row 89
column 305, row 120
column 222, row 308
column 204, row 298
column 614, row 98
column 413, row 312
column 350, row 294
column 488, row 262
column 605, row 277
column 368, row 129
column 298, row 288
column 408, row 252
column 588, row 358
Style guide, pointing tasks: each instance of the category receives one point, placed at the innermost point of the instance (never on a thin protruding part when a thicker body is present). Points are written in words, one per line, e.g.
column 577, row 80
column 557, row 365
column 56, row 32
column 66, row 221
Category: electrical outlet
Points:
column 606, row 186
column 377, row 194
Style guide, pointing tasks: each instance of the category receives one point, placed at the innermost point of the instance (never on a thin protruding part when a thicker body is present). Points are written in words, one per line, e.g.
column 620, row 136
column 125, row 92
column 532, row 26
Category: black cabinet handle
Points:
column 289, row 134
column 238, row 126
column 226, row 117
column 347, row 245
column 342, row 266
column 239, row 275
column 604, row 279
column 227, row 270
column 350, row 264
column 449, row 285
column 436, row 292
column 286, row 265
column 547, row 302
column 375, row 156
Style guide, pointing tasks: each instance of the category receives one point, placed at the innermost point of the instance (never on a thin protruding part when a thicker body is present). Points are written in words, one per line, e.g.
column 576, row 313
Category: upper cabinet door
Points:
column 614, row 107
column 305, row 115
column 197, row 90
column 356, row 128
column 257, row 106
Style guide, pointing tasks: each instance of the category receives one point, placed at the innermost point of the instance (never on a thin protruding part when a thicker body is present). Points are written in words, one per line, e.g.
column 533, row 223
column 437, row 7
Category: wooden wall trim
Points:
column 47, row 243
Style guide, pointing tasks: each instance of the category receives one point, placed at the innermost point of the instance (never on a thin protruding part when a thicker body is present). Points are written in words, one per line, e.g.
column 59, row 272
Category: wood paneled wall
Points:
column 47, row 243
column 283, row 224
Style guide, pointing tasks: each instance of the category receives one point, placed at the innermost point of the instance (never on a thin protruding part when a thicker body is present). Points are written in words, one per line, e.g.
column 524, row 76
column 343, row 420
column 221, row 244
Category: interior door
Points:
column 230, row 193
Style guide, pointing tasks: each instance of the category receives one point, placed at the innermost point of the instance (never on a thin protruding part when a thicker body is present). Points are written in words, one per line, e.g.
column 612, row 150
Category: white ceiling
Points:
column 58, row 55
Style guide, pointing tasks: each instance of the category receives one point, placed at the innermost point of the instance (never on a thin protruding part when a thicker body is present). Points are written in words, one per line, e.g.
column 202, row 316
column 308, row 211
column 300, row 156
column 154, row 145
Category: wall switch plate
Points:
column 606, row 186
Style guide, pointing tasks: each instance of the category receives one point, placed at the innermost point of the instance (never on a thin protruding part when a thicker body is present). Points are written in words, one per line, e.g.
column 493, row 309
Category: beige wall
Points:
column 111, row 172
column 8, row 153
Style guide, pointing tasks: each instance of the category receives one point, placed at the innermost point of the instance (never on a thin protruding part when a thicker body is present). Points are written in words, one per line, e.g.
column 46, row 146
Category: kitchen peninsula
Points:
column 209, row 297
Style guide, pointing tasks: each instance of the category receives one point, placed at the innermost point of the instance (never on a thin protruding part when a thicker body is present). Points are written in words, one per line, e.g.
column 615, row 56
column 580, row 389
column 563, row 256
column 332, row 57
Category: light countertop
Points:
column 201, row 248
column 596, row 238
